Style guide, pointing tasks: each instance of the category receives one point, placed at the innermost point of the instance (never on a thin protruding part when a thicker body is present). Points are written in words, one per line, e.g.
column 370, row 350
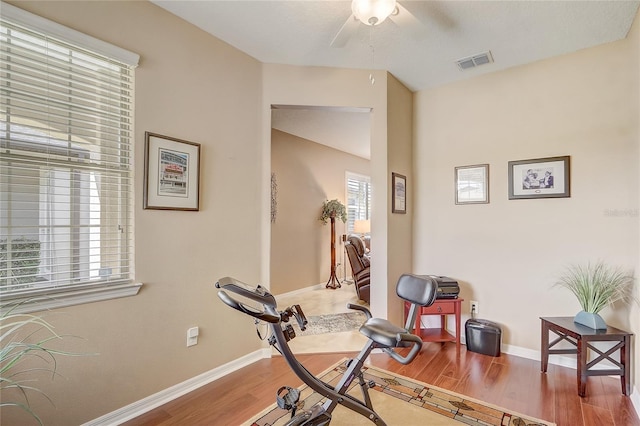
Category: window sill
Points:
column 27, row 304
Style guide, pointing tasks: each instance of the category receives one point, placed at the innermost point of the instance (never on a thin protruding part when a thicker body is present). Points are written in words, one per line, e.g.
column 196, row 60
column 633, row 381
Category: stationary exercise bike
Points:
column 382, row 334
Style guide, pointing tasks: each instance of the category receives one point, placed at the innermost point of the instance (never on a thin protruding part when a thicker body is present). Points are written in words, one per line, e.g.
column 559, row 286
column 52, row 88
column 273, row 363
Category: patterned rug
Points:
column 402, row 401
column 331, row 323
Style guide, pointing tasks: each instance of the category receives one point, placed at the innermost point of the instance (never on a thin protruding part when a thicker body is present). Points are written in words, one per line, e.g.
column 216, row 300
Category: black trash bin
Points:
column 483, row 336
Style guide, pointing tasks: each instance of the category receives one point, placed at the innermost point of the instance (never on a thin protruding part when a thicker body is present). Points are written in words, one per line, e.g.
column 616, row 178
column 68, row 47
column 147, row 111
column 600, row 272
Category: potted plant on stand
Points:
column 330, row 211
column 596, row 286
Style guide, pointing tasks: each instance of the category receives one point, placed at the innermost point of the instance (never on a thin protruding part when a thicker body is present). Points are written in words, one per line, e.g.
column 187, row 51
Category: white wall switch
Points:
column 192, row 336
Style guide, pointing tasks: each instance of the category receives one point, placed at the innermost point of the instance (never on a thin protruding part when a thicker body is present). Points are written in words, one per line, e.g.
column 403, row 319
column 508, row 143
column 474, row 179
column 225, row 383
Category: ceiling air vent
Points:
column 474, row 61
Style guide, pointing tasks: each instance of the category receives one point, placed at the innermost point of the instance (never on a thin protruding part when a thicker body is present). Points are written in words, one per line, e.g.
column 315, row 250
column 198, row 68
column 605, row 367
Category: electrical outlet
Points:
column 474, row 307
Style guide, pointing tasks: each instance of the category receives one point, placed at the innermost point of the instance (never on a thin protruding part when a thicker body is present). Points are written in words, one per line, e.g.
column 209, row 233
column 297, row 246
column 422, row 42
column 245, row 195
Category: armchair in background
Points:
column 360, row 265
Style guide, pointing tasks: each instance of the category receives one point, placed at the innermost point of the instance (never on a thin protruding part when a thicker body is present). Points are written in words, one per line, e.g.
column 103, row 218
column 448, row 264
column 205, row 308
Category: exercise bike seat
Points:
column 419, row 291
column 383, row 332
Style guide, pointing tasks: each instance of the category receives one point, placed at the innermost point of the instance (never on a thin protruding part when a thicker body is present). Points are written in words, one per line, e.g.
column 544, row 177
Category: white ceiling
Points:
column 300, row 32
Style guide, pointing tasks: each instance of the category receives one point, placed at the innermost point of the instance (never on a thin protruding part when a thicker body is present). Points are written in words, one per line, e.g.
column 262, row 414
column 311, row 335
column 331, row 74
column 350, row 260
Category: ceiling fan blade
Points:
column 408, row 22
column 345, row 33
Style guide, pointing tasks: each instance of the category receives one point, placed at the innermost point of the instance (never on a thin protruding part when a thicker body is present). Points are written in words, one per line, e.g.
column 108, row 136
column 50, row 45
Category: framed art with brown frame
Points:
column 540, row 178
column 171, row 173
column 472, row 184
column 398, row 193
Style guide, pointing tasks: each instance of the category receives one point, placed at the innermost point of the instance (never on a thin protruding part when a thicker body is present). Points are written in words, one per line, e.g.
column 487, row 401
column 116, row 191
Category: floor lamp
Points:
column 344, row 260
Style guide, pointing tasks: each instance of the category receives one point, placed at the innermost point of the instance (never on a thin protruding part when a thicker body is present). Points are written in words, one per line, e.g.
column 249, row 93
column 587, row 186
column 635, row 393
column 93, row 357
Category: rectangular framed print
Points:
column 472, row 184
column 539, row 178
column 171, row 173
column 398, row 193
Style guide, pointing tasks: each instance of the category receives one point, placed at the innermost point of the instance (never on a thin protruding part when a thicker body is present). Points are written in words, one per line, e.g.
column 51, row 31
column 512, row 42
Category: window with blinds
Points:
column 358, row 198
column 66, row 123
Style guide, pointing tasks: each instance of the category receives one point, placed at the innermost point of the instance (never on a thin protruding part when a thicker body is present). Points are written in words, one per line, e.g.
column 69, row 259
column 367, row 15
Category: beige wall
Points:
column 507, row 254
column 192, row 86
column 307, row 174
column 399, row 156
column 634, row 40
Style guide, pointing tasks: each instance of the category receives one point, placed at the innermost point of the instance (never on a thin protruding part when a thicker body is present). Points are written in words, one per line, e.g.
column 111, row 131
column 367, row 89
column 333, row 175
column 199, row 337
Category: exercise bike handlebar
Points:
column 258, row 294
column 360, row 308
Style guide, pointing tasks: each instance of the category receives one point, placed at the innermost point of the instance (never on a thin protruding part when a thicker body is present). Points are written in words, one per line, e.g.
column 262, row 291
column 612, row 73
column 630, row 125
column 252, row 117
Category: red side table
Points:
column 442, row 307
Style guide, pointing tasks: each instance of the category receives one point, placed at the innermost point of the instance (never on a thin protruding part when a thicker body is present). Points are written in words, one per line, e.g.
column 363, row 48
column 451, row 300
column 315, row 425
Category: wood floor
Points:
column 507, row 381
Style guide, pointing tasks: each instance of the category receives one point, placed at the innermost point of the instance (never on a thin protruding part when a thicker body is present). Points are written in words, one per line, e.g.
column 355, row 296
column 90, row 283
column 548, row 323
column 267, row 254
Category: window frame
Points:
column 361, row 178
column 30, row 300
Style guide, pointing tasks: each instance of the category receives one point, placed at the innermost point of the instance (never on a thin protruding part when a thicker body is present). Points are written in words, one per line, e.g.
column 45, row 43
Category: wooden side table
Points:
column 581, row 337
column 442, row 307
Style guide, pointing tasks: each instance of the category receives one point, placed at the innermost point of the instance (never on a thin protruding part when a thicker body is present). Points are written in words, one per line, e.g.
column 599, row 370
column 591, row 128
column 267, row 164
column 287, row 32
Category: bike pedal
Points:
column 289, row 332
column 287, row 398
column 371, row 384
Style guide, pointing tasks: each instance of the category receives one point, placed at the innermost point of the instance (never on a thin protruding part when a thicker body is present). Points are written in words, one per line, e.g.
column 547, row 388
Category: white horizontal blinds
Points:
column 65, row 164
column 358, row 198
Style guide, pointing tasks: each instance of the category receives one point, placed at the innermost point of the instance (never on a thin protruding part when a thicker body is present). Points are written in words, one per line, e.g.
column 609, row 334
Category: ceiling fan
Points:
column 374, row 12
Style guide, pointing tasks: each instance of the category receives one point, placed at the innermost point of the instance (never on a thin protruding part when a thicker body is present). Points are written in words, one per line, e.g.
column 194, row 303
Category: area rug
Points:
column 331, row 323
column 402, row 401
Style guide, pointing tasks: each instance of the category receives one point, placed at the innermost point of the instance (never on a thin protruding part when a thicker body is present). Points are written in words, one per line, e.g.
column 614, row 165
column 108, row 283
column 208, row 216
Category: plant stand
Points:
column 581, row 338
column 333, row 282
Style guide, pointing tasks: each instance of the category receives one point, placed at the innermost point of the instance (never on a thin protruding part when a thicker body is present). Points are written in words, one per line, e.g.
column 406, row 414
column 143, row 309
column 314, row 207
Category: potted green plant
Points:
column 595, row 287
column 333, row 209
column 18, row 344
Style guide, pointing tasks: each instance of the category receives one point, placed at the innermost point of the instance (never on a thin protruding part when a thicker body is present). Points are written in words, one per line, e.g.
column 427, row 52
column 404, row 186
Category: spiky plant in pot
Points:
column 19, row 346
column 596, row 286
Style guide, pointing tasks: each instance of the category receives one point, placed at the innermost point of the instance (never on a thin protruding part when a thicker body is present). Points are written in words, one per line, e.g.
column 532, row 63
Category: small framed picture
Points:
column 171, row 173
column 539, row 178
column 472, row 184
column 398, row 193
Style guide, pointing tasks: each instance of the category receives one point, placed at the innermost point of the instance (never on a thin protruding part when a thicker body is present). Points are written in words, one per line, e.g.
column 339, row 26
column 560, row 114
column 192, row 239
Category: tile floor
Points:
column 317, row 301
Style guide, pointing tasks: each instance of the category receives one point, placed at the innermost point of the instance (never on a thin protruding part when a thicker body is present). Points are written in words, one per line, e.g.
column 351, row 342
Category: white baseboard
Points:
column 635, row 399
column 149, row 403
column 528, row 353
column 563, row 361
column 300, row 291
